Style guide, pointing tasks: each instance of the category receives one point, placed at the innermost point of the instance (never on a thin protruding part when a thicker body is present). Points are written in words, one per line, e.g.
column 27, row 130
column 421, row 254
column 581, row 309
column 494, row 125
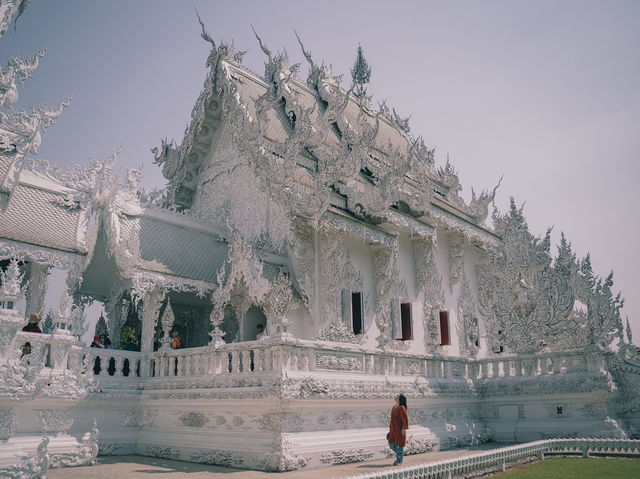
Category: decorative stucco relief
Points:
column 7, row 423
column 193, row 419
column 429, row 281
column 142, row 417
column 467, row 325
column 55, row 420
column 525, row 299
column 336, row 275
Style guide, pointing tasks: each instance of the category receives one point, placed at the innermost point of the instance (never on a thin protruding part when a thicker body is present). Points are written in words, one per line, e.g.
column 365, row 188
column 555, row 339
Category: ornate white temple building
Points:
column 299, row 206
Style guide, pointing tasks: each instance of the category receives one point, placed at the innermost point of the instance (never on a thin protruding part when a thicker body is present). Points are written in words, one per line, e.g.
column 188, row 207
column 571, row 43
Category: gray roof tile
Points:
column 32, row 217
column 178, row 250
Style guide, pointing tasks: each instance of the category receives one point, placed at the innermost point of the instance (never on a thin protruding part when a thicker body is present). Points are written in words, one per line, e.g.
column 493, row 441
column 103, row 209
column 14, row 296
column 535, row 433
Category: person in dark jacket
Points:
column 32, row 325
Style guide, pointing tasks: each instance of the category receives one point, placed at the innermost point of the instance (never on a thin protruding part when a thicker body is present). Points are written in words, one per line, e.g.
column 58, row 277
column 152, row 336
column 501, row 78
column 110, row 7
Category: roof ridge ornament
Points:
column 17, row 71
column 8, row 9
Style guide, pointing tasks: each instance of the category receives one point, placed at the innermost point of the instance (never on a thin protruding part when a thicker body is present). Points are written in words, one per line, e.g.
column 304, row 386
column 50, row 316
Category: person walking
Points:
column 398, row 426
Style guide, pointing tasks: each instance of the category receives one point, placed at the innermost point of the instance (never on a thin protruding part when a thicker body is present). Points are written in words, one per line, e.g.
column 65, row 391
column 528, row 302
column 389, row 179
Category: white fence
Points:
column 501, row 459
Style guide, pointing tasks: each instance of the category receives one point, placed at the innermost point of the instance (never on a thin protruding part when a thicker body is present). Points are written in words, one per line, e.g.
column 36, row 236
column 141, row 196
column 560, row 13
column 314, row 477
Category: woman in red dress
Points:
column 398, row 428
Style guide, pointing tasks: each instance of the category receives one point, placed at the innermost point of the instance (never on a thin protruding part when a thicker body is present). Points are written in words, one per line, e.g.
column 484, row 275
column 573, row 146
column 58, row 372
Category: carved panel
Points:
column 139, row 417
column 7, row 423
column 339, row 362
column 55, row 420
column 193, row 419
column 456, row 258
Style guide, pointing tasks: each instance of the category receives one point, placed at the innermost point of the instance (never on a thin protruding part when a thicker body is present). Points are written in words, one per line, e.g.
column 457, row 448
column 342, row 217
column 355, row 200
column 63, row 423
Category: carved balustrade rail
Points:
column 302, row 355
column 255, row 357
column 237, row 358
column 107, row 363
column 275, row 354
column 532, row 365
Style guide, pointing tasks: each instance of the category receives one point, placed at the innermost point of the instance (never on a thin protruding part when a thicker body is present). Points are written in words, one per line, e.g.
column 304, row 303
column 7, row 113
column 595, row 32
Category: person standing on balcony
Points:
column 128, row 345
column 398, row 426
column 105, row 341
column 32, row 325
column 260, row 332
column 176, row 342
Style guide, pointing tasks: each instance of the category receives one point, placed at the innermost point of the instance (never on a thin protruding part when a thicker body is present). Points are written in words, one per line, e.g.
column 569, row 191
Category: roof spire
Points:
column 361, row 74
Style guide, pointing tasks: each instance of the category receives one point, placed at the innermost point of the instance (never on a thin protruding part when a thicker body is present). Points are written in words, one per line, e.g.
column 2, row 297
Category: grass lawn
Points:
column 576, row 468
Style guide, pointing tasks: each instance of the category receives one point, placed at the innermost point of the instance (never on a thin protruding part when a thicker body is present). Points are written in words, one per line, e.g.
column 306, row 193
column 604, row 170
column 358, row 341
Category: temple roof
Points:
column 35, row 214
column 171, row 248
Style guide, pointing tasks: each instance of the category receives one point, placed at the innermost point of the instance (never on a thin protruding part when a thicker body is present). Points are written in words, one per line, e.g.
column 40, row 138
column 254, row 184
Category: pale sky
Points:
column 545, row 93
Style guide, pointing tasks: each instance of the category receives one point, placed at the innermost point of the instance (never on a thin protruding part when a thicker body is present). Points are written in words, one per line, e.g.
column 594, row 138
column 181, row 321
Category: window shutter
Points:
column 407, row 323
column 346, row 307
column 357, row 312
column 444, row 329
column 396, row 319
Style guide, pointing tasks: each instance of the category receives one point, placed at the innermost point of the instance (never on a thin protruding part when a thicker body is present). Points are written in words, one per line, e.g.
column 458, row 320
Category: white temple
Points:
column 299, row 206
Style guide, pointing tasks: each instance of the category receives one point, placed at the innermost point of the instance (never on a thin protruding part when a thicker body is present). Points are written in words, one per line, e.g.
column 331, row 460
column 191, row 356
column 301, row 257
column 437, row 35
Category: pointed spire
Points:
column 11, row 282
column 167, row 323
column 361, row 74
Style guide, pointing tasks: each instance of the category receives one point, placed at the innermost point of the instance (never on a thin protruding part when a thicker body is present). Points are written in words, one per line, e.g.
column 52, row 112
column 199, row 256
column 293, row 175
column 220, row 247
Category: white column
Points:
column 151, row 304
column 37, row 288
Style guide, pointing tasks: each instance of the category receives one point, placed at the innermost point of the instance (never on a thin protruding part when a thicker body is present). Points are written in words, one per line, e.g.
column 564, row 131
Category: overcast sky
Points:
column 545, row 93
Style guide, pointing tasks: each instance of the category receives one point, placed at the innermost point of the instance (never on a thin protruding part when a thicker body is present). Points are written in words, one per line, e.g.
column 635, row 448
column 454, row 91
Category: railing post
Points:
column 119, row 364
column 268, row 360
column 246, row 361
column 550, row 366
column 304, row 360
column 179, row 365
column 144, row 366
column 235, row 362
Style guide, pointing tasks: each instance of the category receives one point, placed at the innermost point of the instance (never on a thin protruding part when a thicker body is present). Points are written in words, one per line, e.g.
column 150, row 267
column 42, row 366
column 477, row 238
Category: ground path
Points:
column 139, row 467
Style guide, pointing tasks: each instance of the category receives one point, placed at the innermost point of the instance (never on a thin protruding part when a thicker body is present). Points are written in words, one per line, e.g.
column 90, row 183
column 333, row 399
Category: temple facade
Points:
column 298, row 206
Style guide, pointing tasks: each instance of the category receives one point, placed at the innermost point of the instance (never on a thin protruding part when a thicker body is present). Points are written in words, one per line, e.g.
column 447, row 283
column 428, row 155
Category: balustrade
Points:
column 257, row 357
column 111, row 362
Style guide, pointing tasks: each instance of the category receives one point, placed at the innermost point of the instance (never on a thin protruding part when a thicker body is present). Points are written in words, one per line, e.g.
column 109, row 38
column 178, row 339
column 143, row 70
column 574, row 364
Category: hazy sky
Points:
column 545, row 93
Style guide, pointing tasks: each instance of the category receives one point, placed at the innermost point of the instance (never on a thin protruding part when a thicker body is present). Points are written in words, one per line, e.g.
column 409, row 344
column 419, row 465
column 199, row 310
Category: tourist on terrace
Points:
column 106, row 342
column 128, row 345
column 260, row 332
column 26, row 349
column 176, row 342
column 398, row 426
column 32, row 325
column 97, row 343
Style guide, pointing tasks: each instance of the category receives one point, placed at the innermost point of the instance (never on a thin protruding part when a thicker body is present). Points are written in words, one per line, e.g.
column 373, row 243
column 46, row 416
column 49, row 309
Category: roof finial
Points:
column 361, row 74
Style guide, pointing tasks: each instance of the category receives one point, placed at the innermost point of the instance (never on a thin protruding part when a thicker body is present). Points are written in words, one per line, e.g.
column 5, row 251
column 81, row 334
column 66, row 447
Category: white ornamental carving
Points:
column 7, row 424
column 522, row 294
column 55, row 420
column 331, row 361
column 277, row 303
column 166, row 322
column 139, row 417
column 34, row 467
